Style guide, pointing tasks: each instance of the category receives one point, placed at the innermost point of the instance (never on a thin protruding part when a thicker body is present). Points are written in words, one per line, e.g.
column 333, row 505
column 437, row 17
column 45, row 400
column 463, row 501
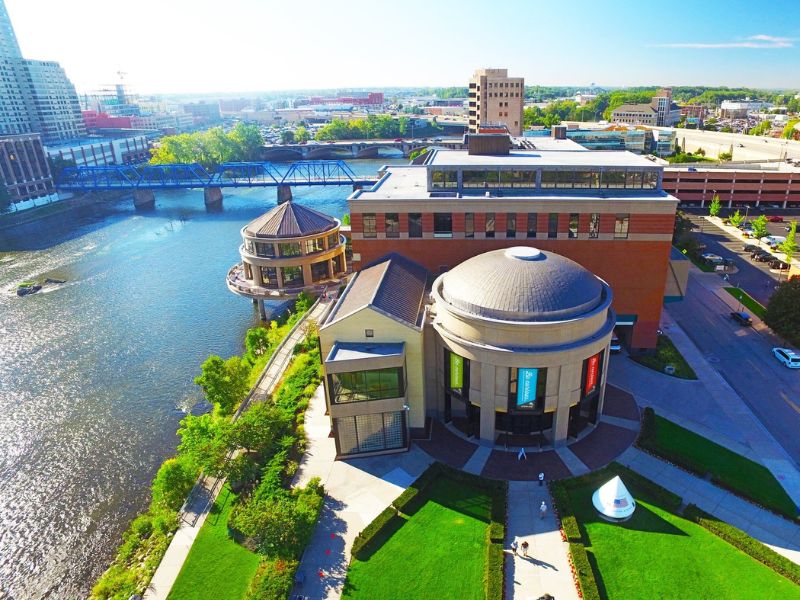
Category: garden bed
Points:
column 753, row 305
column 666, row 354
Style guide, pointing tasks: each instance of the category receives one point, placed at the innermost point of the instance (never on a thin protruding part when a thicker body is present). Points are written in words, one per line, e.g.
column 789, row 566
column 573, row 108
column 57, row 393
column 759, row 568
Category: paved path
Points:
column 776, row 532
column 546, row 569
column 206, row 489
column 356, row 491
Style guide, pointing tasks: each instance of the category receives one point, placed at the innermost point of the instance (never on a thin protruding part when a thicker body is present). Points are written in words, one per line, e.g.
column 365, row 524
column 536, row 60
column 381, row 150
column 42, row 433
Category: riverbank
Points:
column 53, row 209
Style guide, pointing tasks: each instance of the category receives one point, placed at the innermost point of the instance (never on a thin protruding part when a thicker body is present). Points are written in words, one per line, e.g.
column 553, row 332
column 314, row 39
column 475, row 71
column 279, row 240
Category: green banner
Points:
column 456, row 372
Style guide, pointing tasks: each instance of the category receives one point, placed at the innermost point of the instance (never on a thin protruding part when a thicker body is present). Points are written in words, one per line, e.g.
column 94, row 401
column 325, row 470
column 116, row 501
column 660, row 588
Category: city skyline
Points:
column 216, row 50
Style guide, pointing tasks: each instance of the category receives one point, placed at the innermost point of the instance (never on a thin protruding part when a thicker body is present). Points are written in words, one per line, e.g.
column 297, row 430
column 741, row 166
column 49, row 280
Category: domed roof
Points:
column 290, row 220
column 522, row 284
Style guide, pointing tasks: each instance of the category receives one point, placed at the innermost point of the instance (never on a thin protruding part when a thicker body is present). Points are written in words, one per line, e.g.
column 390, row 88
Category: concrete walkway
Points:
column 546, row 569
column 205, row 491
column 776, row 532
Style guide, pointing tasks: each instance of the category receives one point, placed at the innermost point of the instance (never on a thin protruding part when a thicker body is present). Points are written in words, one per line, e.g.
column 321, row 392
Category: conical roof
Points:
column 613, row 500
column 290, row 220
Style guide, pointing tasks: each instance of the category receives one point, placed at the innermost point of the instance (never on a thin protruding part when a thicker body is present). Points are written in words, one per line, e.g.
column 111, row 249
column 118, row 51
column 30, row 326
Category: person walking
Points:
column 542, row 510
column 514, row 547
column 521, row 455
column 541, row 478
column 525, row 548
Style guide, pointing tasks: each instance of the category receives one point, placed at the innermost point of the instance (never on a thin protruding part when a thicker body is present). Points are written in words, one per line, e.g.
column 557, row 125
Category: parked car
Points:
column 773, row 240
column 615, row 347
column 766, row 257
column 788, row 227
column 778, row 264
column 775, row 219
column 711, row 258
column 750, row 248
column 788, row 357
column 742, row 318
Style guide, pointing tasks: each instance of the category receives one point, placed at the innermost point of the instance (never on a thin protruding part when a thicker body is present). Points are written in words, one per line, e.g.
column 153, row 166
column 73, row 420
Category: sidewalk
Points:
column 546, row 569
column 203, row 495
column 776, row 532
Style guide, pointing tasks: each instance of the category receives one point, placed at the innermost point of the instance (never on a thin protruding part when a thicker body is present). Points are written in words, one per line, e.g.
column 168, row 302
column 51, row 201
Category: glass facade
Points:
column 444, row 179
column 269, row 275
column 262, row 249
column 292, row 276
column 320, row 270
column 370, row 433
column 338, row 264
column 290, row 249
column 579, row 178
column 333, row 240
column 314, row 245
column 360, row 386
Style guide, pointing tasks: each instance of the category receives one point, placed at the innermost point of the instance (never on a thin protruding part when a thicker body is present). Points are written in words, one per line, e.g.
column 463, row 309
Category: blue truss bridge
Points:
column 226, row 175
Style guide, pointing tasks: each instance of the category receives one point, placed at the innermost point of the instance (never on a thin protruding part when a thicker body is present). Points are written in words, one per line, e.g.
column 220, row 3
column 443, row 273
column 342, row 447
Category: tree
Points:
column 783, row 311
column 713, row 208
column 205, row 442
column 249, row 140
column 260, row 427
column 789, row 247
column 346, row 219
column 762, row 128
column 301, row 134
column 760, row 227
column 256, row 343
column 303, row 302
column 225, row 383
column 287, row 137
column 736, row 218
column 172, row 483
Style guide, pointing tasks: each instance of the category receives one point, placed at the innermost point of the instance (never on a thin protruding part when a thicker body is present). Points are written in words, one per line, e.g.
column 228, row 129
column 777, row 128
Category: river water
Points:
column 96, row 373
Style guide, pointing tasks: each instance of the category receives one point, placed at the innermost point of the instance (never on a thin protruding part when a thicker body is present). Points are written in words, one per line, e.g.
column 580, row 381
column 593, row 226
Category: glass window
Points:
column 650, row 180
column 469, row 225
column 360, row 386
column 613, row 179
column 333, row 240
column 338, row 265
column 249, row 246
column 290, row 249
column 565, row 179
column 248, row 271
column 594, row 225
column 473, row 179
column 489, row 229
column 370, row 433
column 549, row 179
column 320, row 270
column 392, row 222
column 621, row 226
column 552, row 225
column 415, row 225
column 528, row 399
column 573, row 225
column 370, row 225
column 292, row 276
column 265, row 250
column 633, row 179
column 511, row 225
column 531, row 225
column 314, row 245
column 442, row 225
column 269, row 275
column 444, row 179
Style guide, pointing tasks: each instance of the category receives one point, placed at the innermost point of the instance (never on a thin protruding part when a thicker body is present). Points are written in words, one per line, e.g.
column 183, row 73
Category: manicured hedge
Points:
column 584, row 572
column 569, row 523
column 373, row 529
column 745, row 543
column 410, row 500
column 495, row 568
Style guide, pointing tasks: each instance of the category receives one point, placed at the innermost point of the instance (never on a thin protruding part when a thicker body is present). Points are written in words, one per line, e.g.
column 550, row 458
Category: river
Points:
column 96, row 373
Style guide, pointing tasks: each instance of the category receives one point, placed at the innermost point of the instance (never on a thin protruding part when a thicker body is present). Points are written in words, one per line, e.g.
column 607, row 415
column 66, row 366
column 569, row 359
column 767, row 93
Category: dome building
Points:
column 288, row 249
column 511, row 346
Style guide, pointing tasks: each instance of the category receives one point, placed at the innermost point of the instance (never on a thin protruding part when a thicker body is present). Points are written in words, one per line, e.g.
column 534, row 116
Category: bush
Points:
column 367, row 534
column 273, row 580
column 583, row 571
column 569, row 524
column 173, row 482
column 493, row 577
column 745, row 543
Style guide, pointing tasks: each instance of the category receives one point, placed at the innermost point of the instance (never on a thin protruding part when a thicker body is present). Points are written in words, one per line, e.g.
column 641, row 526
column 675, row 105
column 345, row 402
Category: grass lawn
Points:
column 667, row 354
column 753, row 305
column 438, row 552
column 217, row 567
column 734, row 471
column 657, row 554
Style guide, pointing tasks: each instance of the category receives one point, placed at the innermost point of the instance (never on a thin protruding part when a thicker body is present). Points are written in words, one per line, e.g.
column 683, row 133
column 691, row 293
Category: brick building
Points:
column 697, row 186
column 605, row 210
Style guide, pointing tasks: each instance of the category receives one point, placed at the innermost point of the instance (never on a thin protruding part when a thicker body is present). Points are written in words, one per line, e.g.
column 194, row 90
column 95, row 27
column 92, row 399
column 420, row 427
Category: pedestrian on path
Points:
column 541, row 478
column 524, row 548
column 514, row 547
column 542, row 510
column 522, row 455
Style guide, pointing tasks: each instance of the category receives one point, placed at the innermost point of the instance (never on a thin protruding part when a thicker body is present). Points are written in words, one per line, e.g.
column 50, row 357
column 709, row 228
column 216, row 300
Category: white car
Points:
column 714, row 259
column 788, row 357
column 773, row 240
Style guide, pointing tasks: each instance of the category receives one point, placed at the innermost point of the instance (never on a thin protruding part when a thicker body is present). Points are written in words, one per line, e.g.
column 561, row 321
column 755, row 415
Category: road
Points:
column 743, row 357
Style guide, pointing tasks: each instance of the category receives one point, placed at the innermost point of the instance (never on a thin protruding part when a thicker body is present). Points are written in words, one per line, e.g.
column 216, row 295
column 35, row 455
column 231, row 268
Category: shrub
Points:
column 370, row 531
column 583, row 572
column 565, row 512
column 495, row 568
column 745, row 543
column 273, row 580
column 173, row 482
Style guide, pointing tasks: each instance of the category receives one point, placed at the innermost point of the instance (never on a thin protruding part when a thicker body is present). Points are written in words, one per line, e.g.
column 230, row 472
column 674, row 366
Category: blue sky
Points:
column 253, row 45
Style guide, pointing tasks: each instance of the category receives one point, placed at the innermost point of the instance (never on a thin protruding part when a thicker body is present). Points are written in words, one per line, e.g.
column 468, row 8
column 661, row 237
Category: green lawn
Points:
column 439, row 552
column 666, row 354
column 732, row 470
column 217, row 567
column 657, row 554
column 753, row 305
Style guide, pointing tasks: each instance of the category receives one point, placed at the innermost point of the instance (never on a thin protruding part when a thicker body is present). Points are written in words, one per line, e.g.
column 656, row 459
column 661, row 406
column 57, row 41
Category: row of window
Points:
column 376, row 384
column 370, row 433
column 443, row 225
column 271, row 250
column 293, row 276
column 527, row 178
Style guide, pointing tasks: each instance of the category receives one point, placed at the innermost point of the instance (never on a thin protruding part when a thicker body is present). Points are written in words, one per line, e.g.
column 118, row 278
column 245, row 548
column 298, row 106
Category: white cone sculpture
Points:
column 613, row 501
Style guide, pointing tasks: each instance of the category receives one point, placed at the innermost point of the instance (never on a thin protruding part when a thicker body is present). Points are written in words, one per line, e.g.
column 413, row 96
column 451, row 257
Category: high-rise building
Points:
column 35, row 96
column 494, row 98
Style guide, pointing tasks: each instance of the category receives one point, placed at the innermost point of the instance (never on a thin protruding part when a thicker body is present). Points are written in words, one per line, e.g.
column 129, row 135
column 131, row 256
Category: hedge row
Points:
column 368, row 534
column 493, row 577
column 745, row 543
column 569, row 524
column 583, row 571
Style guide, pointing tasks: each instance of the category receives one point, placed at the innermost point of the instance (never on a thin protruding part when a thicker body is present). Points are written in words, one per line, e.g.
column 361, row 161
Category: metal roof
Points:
column 290, row 220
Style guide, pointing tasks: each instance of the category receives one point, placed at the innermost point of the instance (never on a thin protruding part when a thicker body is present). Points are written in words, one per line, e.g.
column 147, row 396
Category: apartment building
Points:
column 494, row 98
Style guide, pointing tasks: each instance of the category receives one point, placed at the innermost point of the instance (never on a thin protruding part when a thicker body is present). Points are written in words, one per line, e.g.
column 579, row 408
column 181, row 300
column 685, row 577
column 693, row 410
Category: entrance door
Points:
column 448, row 408
column 474, row 419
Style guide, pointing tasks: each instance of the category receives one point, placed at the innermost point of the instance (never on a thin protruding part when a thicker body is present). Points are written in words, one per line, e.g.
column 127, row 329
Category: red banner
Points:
column 592, row 369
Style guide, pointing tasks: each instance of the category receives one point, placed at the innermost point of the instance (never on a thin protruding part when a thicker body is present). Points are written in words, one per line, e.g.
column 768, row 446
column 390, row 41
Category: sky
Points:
column 206, row 46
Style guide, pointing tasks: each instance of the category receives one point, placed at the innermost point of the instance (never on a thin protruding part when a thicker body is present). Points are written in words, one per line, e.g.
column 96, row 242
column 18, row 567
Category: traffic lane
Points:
column 745, row 361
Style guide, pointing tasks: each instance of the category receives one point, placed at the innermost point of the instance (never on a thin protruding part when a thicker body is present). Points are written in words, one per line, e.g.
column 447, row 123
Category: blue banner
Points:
column 526, row 387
